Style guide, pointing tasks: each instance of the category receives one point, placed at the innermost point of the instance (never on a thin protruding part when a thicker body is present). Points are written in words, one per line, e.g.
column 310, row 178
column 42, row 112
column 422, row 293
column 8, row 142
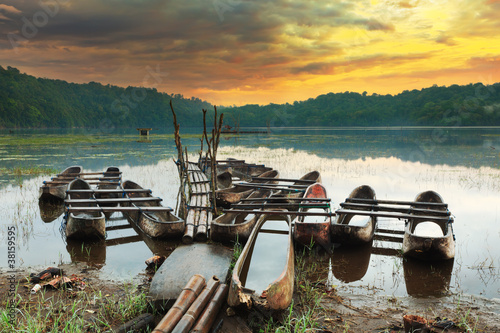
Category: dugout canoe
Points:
column 307, row 179
column 157, row 224
column 264, row 273
column 314, row 229
column 429, row 247
column 231, row 227
column 109, row 185
column 57, row 192
column 84, row 225
column 352, row 228
column 235, row 193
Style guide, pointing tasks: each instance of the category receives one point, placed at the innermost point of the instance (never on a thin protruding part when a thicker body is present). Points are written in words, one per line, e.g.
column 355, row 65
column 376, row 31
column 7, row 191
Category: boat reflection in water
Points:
column 350, row 262
column 50, row 209
column 424, row 278
column 90, row 252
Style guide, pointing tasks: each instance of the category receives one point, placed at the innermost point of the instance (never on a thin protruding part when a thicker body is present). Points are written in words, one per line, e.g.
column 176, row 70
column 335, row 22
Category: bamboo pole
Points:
column 113, row 200
column 279, row 205
column 88, row 178
column 277, row 212
column 110, row 191
column 393, row 215
column 272, row 185
column 394, row 202
column 181, row 305
column 409, row 210
column 286, row 180
column 62, row 182
column 208, row 316
column 188, row 320
column 118, row 209
column 89, row 173
column 287, row 199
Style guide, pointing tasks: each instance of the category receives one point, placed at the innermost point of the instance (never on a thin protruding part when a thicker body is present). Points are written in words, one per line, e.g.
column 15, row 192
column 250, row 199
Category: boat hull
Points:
column 154, row 224
column 426, row 247
column 313, row 232
column 90, row 225
column 50, row 192
column 344, row 233
column 278, row 294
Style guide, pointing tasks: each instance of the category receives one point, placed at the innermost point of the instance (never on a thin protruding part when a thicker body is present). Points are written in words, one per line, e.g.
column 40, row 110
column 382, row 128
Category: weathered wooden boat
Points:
column 112, row 180
column 307, row 179
column 352, row 228
column 236, row 226
column 156, row 224
column 237, row 192
column 57, row 190
column 426, row 246
column 264, row 273
column 314, row 229
column 84, row 225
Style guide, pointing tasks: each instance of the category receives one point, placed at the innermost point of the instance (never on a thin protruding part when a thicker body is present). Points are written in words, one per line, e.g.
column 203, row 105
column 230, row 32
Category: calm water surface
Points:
column 461, row 164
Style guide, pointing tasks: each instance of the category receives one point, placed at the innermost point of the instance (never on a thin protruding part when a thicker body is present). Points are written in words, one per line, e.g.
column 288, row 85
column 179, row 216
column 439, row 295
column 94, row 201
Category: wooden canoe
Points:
column 231, row 227
column 84, row 225
column 57, row 192
column 107, row 185
column 264, row 273
column 429, row 247
column 352, row 228
column 235, row 193
column 162, row 224
column 314, row 230
column 50, row 209
column 313, row 176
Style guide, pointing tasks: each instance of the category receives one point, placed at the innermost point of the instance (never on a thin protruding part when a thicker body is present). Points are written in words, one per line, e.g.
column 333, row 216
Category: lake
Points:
column 461, row 164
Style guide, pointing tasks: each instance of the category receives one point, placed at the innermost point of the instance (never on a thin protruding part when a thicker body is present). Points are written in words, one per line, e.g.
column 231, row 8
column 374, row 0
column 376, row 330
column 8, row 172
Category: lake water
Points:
column 461, row 164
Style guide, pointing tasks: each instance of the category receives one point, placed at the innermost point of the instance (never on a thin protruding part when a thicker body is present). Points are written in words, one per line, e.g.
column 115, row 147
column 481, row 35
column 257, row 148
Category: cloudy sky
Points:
column 251, row 51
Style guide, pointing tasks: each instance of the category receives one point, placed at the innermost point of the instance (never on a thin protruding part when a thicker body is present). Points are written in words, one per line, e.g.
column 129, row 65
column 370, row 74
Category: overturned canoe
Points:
column 352, row 228
column 156, row 224
column 314, row 229
column 435, row 243
column 231, row 227
column 235, row 193
column 84, row 225
column 264, row 272
column 57, row 191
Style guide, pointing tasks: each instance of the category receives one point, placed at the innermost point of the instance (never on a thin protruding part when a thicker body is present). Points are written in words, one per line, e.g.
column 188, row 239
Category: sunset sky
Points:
column 241, row 52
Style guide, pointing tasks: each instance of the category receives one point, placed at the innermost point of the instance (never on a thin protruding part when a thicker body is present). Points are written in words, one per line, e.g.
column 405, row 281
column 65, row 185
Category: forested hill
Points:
column 26, row 101
column 470, row 105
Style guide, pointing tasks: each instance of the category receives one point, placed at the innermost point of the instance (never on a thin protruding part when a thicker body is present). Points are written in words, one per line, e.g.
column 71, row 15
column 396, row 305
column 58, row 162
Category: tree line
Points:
column 29, row 102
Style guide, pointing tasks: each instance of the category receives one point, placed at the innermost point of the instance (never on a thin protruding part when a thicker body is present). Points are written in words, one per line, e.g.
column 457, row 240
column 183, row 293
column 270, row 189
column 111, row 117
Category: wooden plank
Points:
column 109, row 191
column 89, row 173
column 90, row 183
column 408, row 210
column 390, row 231
column 278, row 205
column 86, row 179
column 277, row 212
column 286, row 180
column 393, row 215
column 388, row 238
column 113, row 200
column 118, row 209
column 286, row 199
column 394, row 202
column 271, row 185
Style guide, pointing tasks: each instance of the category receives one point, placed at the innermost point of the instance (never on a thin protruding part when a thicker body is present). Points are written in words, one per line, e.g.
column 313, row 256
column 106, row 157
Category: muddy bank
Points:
column 96, row 307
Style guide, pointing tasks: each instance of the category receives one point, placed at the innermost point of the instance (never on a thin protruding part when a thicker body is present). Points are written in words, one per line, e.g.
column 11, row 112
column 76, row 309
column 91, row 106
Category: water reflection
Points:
column 425, row 279
column 50, row 210
column 92, row 253
column 350, row 263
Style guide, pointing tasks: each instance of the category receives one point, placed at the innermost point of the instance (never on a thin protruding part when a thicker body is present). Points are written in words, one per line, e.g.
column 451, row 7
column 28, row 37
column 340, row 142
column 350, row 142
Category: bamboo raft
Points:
column 199, row 211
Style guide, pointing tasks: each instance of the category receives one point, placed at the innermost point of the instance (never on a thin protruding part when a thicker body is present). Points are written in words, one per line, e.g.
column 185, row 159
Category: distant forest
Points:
column 29, row 102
